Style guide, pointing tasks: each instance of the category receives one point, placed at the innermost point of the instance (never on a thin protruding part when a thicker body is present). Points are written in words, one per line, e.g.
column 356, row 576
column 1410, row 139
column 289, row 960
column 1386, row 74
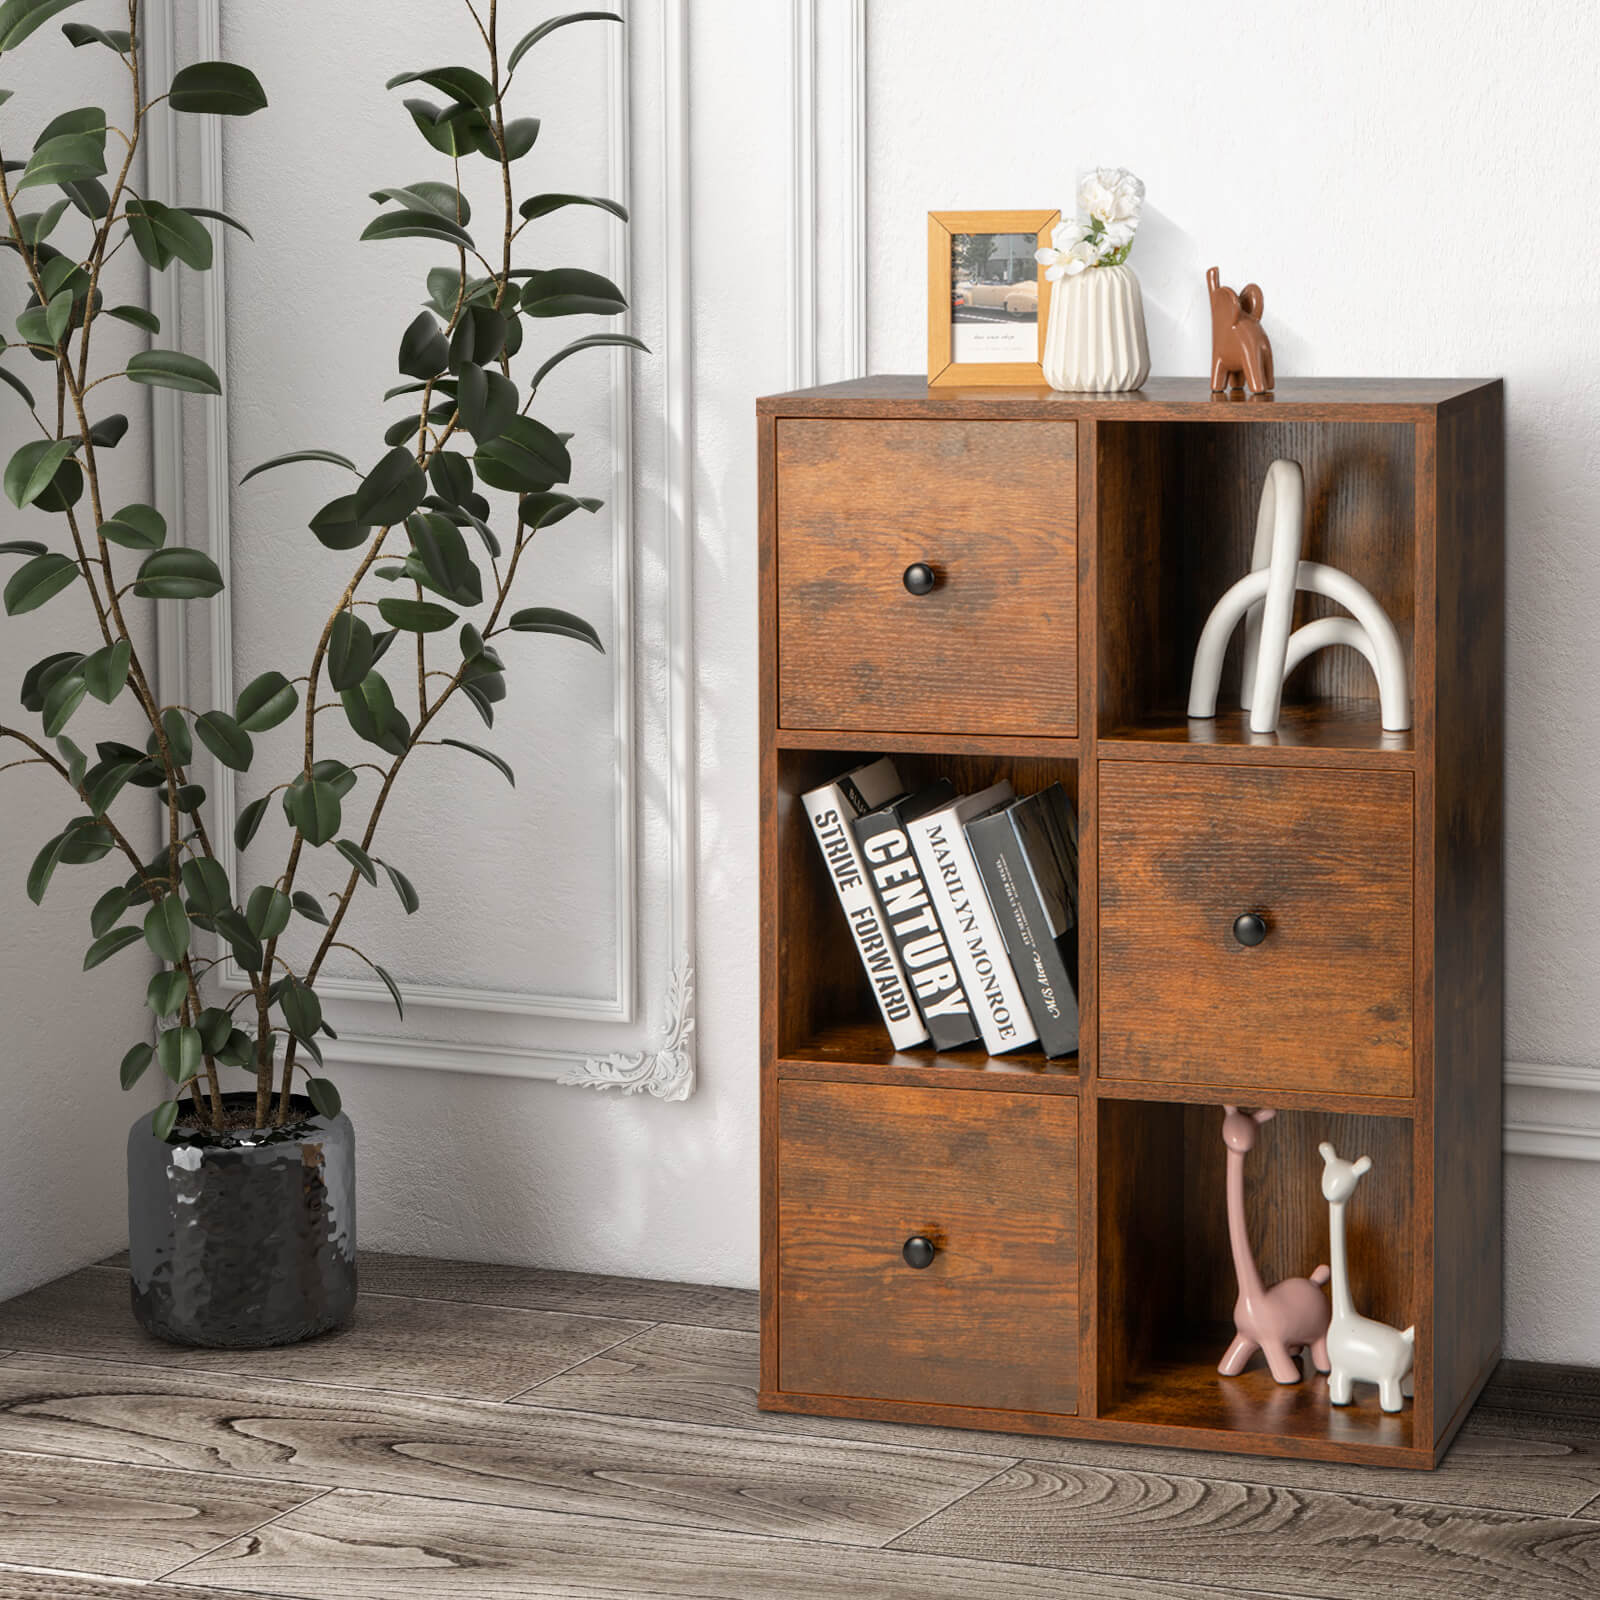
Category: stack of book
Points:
column 963, row 908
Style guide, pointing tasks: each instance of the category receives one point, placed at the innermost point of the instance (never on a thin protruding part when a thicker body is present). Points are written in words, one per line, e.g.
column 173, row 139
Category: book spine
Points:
column 1039, row 964
column 974, row 936
column 831, row 816
column 917, row 932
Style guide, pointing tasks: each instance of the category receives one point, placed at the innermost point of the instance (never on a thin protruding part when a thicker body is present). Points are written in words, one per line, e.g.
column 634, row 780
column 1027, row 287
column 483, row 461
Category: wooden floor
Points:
column 486, row 1432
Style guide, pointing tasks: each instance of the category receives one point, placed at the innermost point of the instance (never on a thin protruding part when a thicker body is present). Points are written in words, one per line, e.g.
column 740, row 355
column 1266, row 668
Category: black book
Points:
column 909, row 912
column 1027, row 857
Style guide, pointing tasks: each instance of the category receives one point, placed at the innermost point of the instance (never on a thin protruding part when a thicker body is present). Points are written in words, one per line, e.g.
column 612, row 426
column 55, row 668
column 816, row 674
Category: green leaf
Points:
column 137, row 315
column 410, row 224
column 324, row 1096
column 179, row 1051
column 341, row 778
column 220, row 87
column 62, row 698
column 526, row 456
column 18, row 18
column 205, row 881
column 338, row 527
column 392, row 987
column 372, row 713
column 107, row 433
column 428, row 195
column 543, row 509
column 107, row 779
column 23, row 547
column 79, row 34
column 168, row 989
column 546, row 619
column 488, row 403
column 357, row 857
column 29, row 471
column 108, row 944
column 106, row 671
column 67, row 158
column 301, row 1008
column 177, row 732
column 350, row 653
column 134, row 1064
column 87, row 120
column 43, row 868
column 415, row 616
column 246, row 947
column 166, row 929
column 58, row 315
column 315, row 811
column 267, row 911
column 529, row 40
column 37, row 226
column 455, row 130
column 486, row 755
column 65, row 489
column 541, row 205
column 450, row 473
column 219, row 216
column 136, row 527
column 161, row 233
column 392, row 490
column 37, row 581
column 570, row 291
column 249, row 822
column 459, row 83
column 188, row 797
column 424, row 351
column 171, row 369
column 16, row 383
column 108, row 909
column 225, row 739
column 77, row 762
column 163, row 1119
column 265, row 702
column 178, row 574
column 89, row 196
column 479, row 338
column 442, row 553
column 37, row 680
column 332, row 457
column 309, row 907
column 215, row 1027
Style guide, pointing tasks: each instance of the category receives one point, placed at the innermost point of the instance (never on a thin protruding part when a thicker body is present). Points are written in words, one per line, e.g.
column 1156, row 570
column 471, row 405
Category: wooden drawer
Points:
column 1324, row 1001
column 991, row 1179
column 992, row 507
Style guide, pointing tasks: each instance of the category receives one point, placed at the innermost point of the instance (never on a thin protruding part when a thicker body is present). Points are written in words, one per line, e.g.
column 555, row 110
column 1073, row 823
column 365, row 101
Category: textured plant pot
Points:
column 244, row 1239
column 1095, row 338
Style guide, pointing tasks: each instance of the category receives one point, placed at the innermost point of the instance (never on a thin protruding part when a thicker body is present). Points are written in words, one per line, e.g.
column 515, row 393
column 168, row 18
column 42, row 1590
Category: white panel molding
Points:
column 666, row 1070
column 1566, row 1091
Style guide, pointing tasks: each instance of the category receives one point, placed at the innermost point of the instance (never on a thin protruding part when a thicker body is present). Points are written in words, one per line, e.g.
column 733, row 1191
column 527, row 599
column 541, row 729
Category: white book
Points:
column 939, row 841
column 832, row 809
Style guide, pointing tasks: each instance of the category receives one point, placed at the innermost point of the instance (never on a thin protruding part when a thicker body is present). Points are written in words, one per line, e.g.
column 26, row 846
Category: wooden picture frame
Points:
column 944, row 228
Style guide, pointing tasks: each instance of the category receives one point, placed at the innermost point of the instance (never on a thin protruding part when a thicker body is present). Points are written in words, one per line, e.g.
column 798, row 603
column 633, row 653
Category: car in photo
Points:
column 1015, row 299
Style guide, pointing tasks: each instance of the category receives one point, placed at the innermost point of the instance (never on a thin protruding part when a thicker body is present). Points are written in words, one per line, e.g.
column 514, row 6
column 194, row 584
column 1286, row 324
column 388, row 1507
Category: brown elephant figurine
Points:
column 1241, row 353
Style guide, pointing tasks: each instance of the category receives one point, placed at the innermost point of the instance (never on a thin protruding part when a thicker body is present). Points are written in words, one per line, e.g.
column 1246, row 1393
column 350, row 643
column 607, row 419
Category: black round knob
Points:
column 919, row 578
column 918, row 1251
column 1249, row 928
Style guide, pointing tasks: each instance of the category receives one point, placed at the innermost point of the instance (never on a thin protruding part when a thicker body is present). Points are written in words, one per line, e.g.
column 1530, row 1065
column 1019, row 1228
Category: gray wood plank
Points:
column 1545, row 1387
column 547, row 1460
column 488, row 1283
column 711, row 1376
column 388, row 1547
column 130, row 1522
column 21, row 1584
column 416, row 1347
column 1167, row 1528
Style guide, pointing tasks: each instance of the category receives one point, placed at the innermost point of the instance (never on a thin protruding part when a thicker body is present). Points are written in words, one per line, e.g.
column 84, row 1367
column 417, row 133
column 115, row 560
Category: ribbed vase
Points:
column 1095, row 338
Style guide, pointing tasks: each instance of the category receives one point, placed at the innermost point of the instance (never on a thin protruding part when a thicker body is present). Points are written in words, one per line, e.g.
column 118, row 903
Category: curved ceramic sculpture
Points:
column 1361, row 1350
column 1290, row 1316
column 1264, row 599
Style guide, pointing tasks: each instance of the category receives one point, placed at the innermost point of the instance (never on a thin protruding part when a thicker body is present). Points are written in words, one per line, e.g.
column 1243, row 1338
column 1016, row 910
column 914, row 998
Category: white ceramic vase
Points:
column 1095, row 338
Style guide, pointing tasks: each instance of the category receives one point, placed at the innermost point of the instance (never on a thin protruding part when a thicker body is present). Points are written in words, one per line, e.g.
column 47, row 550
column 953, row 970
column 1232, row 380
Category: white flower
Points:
column 1068, row 262
column 1113, row 195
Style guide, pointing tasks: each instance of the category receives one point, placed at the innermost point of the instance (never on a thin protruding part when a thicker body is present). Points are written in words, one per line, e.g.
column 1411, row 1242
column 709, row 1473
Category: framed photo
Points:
column 988, row 299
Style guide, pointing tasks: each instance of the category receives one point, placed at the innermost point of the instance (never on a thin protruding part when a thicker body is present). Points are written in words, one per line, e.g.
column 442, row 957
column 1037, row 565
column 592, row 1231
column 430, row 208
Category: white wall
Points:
column 63, row 1119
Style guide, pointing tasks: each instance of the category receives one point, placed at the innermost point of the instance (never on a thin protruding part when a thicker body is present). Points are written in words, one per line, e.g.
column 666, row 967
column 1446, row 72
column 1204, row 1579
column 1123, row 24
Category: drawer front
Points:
column 992, row 508
column 991, row 1180
column 1324, row 858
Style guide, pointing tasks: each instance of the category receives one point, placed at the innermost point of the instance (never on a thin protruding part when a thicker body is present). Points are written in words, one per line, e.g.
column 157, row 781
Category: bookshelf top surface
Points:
column 1161, row 399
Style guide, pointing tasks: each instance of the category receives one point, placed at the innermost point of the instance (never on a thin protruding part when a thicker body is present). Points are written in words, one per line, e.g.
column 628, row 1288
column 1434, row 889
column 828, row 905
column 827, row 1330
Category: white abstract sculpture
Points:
column 1360, row 1350
column 1264, row 598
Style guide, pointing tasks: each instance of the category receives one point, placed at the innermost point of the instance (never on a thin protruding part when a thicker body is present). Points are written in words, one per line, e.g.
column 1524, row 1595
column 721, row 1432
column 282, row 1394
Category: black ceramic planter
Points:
column 244, row 1239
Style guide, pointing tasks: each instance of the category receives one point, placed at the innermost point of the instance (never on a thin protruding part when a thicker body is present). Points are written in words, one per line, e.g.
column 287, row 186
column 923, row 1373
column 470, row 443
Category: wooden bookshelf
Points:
column 1081, row 1283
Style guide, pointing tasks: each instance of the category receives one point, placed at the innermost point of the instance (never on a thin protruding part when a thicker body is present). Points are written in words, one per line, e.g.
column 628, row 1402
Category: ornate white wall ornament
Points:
column 667, row 1072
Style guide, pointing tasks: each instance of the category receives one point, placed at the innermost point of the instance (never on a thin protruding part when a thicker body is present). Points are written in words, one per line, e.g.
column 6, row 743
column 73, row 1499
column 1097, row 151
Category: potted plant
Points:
column 241, row 1216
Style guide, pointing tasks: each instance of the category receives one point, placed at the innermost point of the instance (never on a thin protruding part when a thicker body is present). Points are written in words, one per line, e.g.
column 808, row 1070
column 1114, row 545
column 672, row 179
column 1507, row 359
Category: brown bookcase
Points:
column 1082, row 1283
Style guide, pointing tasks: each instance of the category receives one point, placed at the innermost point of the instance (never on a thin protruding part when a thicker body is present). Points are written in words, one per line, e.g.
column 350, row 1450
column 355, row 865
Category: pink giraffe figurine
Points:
column 1290, row 1316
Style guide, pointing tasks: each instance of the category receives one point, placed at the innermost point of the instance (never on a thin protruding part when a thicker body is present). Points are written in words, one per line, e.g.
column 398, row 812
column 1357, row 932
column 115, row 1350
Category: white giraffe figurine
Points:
column 1360, row 1349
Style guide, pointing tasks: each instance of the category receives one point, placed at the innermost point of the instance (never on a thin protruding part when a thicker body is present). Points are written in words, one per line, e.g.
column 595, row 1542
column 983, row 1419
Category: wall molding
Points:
column 1535, row 1091
column 667, row 1069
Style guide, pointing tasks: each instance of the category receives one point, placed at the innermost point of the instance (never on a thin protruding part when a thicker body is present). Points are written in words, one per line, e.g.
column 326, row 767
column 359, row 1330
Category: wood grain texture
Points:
column 372, row 1547
column 129, row 1522
column 992, row 1180
column 18, row 1583
column 1331, row 733
column 506, row 1455
column 415, row 1346
column 542, row 1289
column 1327, row 1546
column 993, row 510
column 1305, row 399
column 1326, row 1000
